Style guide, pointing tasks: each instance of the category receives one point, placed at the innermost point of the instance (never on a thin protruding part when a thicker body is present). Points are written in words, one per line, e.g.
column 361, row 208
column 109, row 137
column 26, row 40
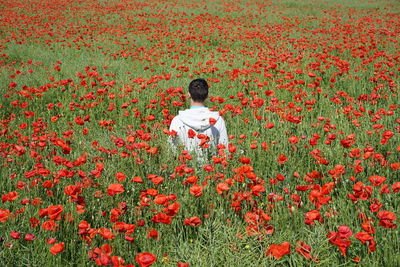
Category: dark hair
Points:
column 198, row 90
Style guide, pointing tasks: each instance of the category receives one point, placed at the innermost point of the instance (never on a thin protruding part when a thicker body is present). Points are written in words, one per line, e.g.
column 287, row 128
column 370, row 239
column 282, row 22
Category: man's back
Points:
column 198, row 128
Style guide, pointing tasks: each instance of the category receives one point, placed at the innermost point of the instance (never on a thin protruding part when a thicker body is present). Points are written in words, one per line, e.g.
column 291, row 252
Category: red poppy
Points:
column 106, row 233
column 282, row 159
column 191, row 180
column 278, row 251
column 360, row 192
column 30, row 237
column 54, row 212
column 377, row 180
column 114, row 189
column 341, row 238
column 396, row 187
column 312, row 216
column 49, row 226
column 303, row 249
column 57, row 248
column 269, row 125
column 222, row 187
column 172, row 209
column 72, row 191
column 120, row 176
column 15, row 235
column 209, row 168
column 244, row 160
column 196, row 190
column 4, row 214
column 137, row 179
column 364, row 237
column 162, row 218
column 395, row 166
column 192, row 221
column 51, row 240
column 386, row 219
column 11, row 196
column 153, row 234
column 293, row 139
column 145, row 259
column 191, row 133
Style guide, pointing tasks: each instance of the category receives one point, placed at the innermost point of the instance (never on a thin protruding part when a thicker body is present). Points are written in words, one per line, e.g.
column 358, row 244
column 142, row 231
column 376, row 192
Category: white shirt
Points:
column 198, row 120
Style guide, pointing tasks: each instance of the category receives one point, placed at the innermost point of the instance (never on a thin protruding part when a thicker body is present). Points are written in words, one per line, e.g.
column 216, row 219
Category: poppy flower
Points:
column 54, row 212
column 57, row 248
column 145, row 259
column 51, row 240
column 115, row 189
column 364, row 237
column 106, row 233
column 191, row 133
column 73, row 191
column 15, row 235
column 293, row 139
column 367, row 226
column 282, row 159
column 341, row 238
column 344, row 232
column 11, row 196
column 4, row 214
column 153, row 234
column 192, row 221
column 386, row 219
column 162, row 218
column 49, row 226
column 30, row 237
column 172, row 209
column 396, row 187
column 191, row 180
column 269, row 125
column 244, row 160
column 120, row 176
column 157, row 180
column 222, row 187
column 377, row 180
column 303, row 249
column 278, row 251
column 312, row 216
column 137, row 179
column 208, row 168
column 395, row 166
column 196, row 190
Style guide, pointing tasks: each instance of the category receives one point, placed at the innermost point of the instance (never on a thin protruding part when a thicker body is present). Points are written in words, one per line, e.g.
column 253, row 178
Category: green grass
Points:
column 213, row 41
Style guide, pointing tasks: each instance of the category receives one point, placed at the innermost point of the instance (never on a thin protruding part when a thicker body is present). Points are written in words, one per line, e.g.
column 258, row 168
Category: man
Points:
column 198, row 128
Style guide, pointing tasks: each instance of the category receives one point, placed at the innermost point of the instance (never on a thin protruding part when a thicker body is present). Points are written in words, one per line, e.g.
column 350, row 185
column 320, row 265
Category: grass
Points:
column 247, row 38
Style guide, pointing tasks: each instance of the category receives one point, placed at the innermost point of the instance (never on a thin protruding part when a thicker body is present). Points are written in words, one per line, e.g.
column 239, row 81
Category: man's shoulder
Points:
column 176, row 121
column 178, row 116
column 221, row 119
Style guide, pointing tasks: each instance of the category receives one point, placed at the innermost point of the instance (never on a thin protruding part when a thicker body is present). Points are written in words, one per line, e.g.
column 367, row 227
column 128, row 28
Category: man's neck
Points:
column 197, row 104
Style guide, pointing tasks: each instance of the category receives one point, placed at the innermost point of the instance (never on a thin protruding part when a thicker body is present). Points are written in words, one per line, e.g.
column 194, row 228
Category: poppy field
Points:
column 309, row 91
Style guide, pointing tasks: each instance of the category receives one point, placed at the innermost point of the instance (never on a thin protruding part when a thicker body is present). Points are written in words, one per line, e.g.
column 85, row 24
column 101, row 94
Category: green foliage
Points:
column 121, row 63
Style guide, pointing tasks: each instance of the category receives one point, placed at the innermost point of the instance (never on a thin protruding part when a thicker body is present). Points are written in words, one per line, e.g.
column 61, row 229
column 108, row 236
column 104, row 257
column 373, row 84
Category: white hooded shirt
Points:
column 198, row 120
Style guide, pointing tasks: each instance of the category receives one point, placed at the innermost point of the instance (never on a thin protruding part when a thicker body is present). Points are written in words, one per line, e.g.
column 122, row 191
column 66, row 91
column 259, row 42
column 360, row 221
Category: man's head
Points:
column 198, row 90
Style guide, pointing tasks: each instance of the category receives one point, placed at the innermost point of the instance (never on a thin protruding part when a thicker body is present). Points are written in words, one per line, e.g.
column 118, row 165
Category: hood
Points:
column 198, row 118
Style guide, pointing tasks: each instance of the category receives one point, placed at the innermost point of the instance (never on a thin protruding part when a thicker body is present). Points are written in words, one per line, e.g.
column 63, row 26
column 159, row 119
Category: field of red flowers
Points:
column 309, row 91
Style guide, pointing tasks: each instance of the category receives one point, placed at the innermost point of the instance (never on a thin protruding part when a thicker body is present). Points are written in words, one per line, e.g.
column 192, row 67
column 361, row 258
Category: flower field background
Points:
column 309, row 91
